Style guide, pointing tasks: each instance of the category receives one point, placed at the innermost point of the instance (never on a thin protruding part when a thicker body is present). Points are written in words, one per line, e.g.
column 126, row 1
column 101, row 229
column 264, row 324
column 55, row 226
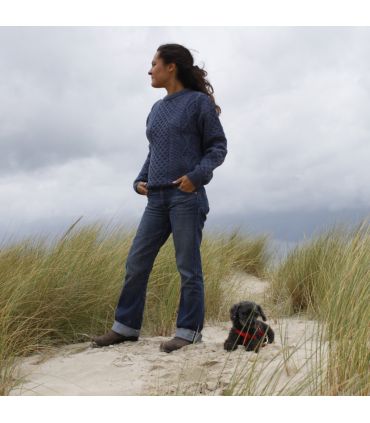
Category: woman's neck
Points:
column 174, row 87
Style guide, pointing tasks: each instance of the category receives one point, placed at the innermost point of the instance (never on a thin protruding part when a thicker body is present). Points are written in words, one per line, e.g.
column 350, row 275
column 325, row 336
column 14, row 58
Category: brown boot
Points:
column 111, row 338
column 173, row 344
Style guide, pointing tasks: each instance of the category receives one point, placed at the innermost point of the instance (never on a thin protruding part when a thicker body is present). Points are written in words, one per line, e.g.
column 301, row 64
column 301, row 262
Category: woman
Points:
column 186, row 143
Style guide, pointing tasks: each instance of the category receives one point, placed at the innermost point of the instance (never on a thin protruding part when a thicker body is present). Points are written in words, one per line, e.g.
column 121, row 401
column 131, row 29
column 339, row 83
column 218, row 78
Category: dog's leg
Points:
column 268, row 332
column 231, row 342
column 252, row 345
column 270, row 335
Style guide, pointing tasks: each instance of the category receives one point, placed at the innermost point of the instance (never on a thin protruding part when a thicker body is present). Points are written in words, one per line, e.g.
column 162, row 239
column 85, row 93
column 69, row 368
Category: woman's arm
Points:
column 214, row 143
column 143, row 175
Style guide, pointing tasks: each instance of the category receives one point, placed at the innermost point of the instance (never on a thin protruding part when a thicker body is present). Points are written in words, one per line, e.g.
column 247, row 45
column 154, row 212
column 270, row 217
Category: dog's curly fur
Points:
column 247, row 330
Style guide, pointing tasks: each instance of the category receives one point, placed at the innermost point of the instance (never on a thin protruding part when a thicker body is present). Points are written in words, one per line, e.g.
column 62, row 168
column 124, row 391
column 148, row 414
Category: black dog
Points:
column 247, row 330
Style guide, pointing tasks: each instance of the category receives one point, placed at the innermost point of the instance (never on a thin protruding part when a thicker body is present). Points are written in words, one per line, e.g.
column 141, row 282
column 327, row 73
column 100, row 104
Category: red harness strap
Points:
column 247, row 336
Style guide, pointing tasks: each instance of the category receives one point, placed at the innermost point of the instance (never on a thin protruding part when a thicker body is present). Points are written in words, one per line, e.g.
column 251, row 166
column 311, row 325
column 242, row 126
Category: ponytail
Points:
column 190, row 75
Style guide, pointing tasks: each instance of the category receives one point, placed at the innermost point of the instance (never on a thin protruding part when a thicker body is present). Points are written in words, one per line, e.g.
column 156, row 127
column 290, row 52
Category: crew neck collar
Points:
column 176, row 94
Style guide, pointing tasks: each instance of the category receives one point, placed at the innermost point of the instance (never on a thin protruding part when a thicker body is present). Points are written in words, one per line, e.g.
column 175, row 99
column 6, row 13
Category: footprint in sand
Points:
column 210, row 363
column 156, row 367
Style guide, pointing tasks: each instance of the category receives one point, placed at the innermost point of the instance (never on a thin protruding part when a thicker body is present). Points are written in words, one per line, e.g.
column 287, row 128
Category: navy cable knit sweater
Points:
column 185, row 138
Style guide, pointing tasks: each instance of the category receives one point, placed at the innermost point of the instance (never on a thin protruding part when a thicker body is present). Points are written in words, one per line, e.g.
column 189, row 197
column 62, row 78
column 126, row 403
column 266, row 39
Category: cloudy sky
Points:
column 295, row 109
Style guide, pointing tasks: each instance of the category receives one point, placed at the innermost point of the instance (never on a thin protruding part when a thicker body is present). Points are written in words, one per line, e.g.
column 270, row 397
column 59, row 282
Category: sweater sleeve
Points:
column 214, row 143
column 143, row 175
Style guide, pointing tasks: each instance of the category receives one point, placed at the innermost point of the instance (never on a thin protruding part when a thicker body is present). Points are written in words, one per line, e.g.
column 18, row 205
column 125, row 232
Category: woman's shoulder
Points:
column 204, row 103
column 199, row 95
column 200, row 100
column 156, row 103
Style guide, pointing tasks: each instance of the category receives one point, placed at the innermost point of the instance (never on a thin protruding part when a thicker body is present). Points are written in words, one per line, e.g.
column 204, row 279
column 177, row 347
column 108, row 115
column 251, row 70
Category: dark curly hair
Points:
column 189, row 75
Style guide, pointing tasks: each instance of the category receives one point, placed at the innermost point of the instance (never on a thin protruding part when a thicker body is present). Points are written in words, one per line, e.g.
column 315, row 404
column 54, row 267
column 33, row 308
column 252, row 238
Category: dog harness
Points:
column 247, row 336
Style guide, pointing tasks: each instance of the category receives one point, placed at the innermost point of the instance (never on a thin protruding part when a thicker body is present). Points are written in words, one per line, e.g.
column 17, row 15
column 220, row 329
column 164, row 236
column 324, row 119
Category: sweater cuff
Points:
column 135, row 186
column 195, row 178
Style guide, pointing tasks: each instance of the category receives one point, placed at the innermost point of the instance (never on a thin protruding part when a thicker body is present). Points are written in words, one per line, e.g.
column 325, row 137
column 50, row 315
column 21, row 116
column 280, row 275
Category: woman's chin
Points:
column 156, row 85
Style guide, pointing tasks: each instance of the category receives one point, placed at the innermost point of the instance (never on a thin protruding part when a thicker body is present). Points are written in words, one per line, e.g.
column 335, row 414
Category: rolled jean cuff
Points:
column 124, row 330
column 188, row 334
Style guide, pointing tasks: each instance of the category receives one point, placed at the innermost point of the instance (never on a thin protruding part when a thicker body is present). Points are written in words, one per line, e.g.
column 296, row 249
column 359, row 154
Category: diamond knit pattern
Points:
column 185, row 138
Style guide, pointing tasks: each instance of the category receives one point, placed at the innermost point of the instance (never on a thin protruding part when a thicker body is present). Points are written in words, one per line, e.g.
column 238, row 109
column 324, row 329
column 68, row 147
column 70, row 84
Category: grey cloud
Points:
column 69, row 93
column 294, row 105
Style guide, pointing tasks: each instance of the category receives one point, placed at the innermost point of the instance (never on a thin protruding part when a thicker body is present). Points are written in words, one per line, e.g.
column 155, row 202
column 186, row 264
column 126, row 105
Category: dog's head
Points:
column 245, row 313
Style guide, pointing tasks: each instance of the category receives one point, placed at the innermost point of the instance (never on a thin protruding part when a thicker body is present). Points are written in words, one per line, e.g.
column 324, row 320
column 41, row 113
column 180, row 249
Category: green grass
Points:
column 328, row 278
column 251, row 253
column 67, row 290
column 325, row 279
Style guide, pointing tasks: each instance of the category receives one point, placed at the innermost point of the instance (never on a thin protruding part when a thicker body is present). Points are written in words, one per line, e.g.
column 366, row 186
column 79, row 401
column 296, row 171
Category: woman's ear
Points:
column 261, row 313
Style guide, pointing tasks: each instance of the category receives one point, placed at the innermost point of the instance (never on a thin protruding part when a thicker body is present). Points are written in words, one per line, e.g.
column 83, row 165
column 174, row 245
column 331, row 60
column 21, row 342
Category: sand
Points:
column 139, row 368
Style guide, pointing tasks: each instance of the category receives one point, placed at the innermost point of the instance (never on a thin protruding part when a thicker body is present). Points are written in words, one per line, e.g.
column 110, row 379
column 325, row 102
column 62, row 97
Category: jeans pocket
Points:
column 186, row 192
column 150, row 193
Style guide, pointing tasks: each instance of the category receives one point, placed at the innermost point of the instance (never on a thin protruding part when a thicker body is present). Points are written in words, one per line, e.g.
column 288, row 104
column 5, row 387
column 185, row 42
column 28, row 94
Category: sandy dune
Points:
column 139, row 368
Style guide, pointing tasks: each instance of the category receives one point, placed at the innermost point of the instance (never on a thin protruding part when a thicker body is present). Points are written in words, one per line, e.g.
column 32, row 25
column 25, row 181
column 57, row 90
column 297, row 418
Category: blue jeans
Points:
column 168, row 210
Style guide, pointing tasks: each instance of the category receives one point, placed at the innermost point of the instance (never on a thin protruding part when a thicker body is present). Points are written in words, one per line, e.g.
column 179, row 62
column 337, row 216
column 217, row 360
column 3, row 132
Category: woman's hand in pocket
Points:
column 185, row 184
column 142, row 188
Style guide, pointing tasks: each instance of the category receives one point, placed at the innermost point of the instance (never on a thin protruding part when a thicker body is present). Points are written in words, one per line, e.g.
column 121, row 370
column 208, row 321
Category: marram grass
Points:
column 66, row 291
column 328, row 277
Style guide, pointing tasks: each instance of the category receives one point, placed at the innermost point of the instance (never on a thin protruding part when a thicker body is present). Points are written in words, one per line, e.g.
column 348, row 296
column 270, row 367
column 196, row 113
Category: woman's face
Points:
column 160, row 72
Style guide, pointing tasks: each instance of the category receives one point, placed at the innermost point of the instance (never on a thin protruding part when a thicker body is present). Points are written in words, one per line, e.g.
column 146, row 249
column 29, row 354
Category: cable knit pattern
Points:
column 185, row 138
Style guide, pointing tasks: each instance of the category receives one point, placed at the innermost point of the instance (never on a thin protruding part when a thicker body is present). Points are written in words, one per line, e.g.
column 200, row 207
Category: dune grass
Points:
column 325, row 279
column 328, row 278
column 251, row 253
column 67, row 290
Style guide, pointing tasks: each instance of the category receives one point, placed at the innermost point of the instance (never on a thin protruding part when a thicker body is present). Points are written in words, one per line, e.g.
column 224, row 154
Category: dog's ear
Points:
column 234, row 311
column 261, row 313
